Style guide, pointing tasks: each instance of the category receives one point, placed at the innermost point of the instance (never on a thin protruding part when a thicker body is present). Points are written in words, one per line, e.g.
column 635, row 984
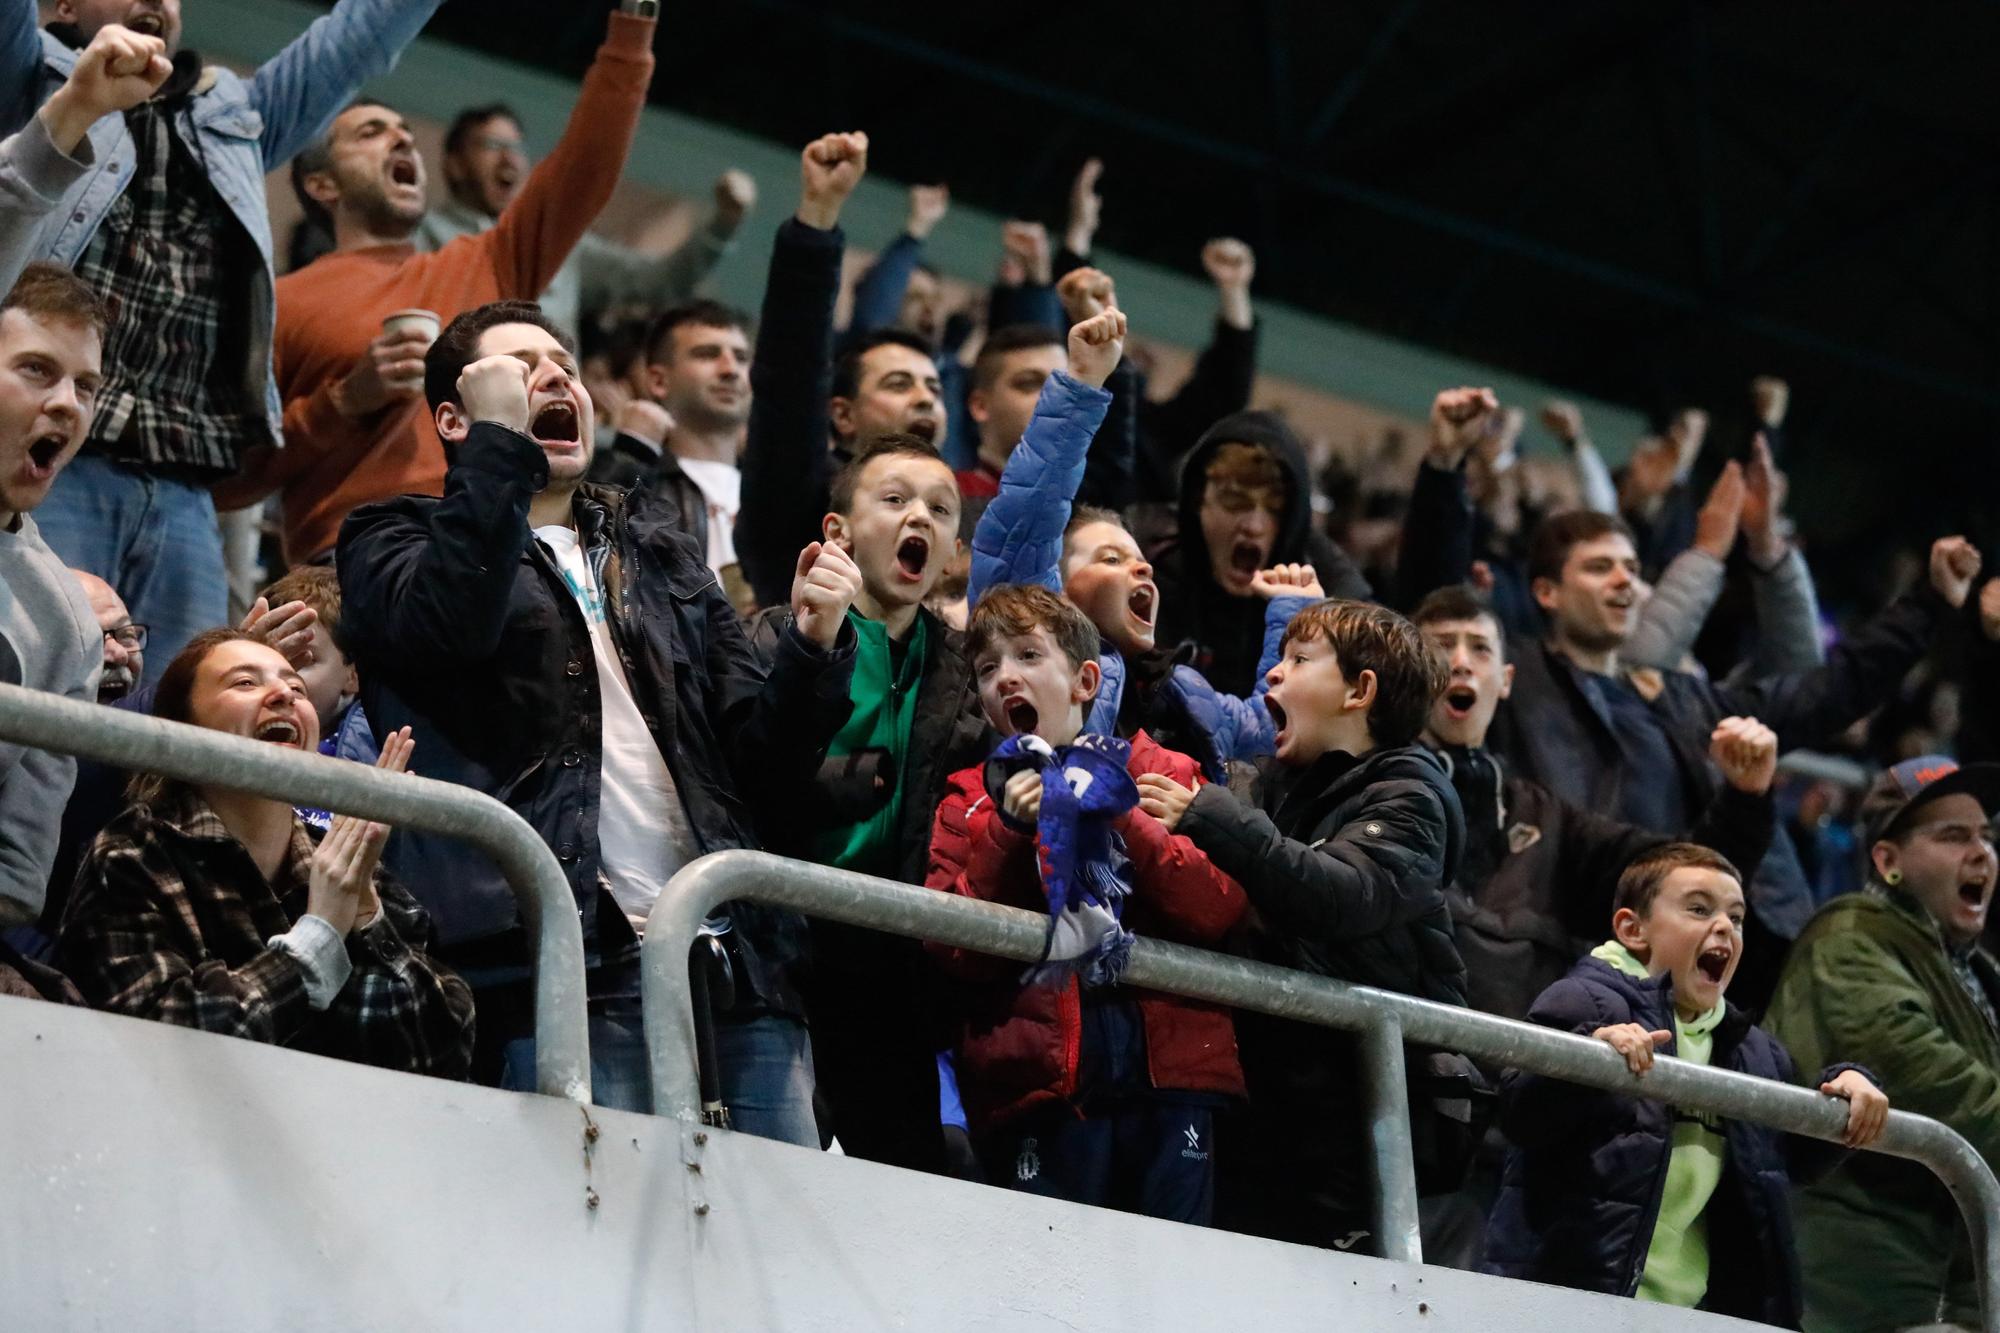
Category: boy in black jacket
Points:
column 1630, row 1196
column 1345, row 865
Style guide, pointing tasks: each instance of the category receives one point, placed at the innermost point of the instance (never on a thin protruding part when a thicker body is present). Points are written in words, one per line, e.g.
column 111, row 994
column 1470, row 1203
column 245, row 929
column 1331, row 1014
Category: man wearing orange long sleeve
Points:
column 355, row 427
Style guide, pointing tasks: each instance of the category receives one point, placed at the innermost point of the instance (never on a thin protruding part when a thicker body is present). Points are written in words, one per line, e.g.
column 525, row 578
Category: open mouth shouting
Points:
column 1246, row 558
column 913, row 556
column 280, row 731
column 924, row 428
column 1022, row 716
column 1973, row 891
column 405, row 173
column 1279, row 724
column 1713, row 963
column 1143, row 604
column 556, row 427
column 45, row 455
column 1459, row 701
column 148, row 24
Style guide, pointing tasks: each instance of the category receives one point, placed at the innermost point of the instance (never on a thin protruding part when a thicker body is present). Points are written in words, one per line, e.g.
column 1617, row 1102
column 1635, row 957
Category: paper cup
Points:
column 403, row 321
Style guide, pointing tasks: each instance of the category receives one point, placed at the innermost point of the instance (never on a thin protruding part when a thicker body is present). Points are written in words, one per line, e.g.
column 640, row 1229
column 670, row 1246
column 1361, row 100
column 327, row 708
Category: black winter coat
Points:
column 1535, row 887
column 1582, row 1188
column 1345, row 868
column 1228, row 632
column 463, row 628
column 630, row 463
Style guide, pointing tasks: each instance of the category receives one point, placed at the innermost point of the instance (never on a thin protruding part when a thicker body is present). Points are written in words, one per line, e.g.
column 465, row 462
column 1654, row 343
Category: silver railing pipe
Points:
column 1006, row 932
column 211, row 758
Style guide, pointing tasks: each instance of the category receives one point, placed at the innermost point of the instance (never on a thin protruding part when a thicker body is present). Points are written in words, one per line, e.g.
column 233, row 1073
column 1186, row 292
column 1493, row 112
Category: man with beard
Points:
column 485, row 166
column 351, row 378
column 169, row 223
column 124, row 642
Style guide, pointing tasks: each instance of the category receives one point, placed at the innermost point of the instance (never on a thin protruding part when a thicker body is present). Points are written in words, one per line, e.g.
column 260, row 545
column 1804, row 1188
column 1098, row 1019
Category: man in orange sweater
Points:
column 355, row 426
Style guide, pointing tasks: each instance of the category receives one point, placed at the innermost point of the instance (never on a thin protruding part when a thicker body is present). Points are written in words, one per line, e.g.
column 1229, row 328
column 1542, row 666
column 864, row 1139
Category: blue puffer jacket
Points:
column 1019, row 539
column 1583, row 1182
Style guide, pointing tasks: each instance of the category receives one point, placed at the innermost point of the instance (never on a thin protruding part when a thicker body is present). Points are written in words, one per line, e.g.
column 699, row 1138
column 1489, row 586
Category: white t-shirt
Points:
column 721, row 484
column 643, row 835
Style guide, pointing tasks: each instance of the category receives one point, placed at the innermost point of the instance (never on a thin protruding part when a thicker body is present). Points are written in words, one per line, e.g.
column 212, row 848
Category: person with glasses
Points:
column 1894, row 978
column 124, row 642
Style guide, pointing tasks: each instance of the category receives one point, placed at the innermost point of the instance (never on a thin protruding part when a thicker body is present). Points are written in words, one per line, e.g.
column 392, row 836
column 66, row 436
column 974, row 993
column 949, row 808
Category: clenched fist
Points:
column 1287, row 581
column 823, row 587
column 117, row 71
column 1086, row 293
column 735, row 196
column 1460, row 418
column 1563, row 419
column 495, row 389
column 928, row 205
column 1954, row 565
column 1164, row 799
column 1721, row 516
column 1095, row 346
column 1086, row 206
column 1024, row 248
column 829, row 169
column 1747, row 753
column 1231, row 265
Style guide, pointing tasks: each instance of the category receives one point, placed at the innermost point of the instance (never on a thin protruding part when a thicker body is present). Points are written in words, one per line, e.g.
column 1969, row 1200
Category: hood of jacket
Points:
column 1294, row 523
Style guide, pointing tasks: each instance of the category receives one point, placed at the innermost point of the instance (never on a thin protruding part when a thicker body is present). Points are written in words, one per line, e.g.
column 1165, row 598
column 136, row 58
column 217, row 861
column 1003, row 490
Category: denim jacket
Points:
column 243, row 128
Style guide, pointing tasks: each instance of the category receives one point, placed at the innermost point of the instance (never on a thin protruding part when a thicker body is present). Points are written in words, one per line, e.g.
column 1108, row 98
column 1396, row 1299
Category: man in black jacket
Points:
column 1345, row 860
column 564, row 648
column 1633, row 743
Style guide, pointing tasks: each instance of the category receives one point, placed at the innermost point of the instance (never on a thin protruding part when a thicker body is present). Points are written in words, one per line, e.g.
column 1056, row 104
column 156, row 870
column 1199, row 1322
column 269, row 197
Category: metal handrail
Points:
column 1384, row 1019
column 211, row 758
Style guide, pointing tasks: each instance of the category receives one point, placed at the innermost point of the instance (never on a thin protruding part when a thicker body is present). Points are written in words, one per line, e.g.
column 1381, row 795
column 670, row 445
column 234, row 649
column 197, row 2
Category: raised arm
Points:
column 568, row 189
column 878, row 293
column 616, row 275
column 1019, row 537
column 1687, row 590
column 301, row 89
column 786, row 471
column 1437, row 534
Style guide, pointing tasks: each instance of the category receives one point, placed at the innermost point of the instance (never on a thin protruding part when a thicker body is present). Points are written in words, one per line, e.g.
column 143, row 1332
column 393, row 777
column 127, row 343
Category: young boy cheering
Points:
column 1090, row 1093
column 1346, row 863
column 1634, row 1197
column 914, row 718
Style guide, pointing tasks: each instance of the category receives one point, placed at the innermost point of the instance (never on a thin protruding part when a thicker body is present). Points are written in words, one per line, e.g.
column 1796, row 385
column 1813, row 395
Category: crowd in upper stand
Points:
column 961, row 598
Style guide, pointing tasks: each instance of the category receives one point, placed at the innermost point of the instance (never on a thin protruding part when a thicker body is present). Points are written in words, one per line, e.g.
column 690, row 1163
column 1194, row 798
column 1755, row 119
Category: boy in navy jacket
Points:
column 1635, row 1197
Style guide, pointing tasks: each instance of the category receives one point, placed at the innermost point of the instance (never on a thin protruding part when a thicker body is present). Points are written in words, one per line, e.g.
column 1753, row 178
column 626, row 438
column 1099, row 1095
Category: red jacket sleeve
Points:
column 975, row 855
column 1177, row 892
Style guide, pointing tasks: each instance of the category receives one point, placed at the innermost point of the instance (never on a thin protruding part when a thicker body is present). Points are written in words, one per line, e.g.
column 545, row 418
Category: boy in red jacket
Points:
column 1095, row 1094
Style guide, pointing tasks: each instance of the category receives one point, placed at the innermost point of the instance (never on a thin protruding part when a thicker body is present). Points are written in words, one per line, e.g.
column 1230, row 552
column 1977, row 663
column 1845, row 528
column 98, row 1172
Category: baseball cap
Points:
column 1914, row 782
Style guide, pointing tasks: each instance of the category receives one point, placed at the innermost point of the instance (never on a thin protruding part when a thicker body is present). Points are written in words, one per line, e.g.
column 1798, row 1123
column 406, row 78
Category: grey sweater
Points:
column 49, row 640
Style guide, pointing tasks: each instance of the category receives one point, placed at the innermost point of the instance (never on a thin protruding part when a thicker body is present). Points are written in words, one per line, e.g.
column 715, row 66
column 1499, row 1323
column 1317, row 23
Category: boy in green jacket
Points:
column 1893, row 977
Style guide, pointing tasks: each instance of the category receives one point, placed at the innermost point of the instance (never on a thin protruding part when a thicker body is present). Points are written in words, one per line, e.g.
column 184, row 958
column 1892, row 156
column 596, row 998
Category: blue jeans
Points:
column 767, row 1077
column 152, row 539
column 767, row 1073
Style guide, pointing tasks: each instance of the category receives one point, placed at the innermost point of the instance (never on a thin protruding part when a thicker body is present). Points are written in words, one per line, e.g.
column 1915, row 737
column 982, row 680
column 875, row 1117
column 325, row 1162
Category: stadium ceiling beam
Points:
column 1670, row 296
column 1342, row 97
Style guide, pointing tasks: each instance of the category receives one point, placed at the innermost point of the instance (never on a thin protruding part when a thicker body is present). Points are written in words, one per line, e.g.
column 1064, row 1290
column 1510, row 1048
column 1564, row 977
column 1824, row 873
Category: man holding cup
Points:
column 354, row 325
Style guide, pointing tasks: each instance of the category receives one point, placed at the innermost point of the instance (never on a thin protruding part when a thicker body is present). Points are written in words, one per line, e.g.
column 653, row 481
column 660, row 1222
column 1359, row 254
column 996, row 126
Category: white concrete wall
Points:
column 155, row 1179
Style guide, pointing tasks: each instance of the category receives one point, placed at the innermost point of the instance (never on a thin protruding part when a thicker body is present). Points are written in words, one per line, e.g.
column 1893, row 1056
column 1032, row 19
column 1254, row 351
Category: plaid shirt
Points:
column 171, row 920
column 175, row 265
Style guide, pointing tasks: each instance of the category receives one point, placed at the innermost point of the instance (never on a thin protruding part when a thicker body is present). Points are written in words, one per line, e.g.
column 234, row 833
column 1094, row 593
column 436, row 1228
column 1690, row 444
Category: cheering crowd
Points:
column 955, row 597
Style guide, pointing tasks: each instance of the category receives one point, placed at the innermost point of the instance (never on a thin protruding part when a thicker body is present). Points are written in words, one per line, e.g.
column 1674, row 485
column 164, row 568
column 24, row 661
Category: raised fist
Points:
column 1460, row 418
column 1747, row 753
column 1763, row 506
column 1989, row 609
column 1025, row 246
column 1562, row 419
column 829, row 169
column 1086, row 207
column 735, row 196
column 1095, row 344
column 116, row 72
column 1230, row 263
column 1769, row 397
column 823, row 587
column 1954, row 565
column 1287, row 581
column 1649, row 474
column 495, row 389
column 928, row 205
column 1689, row 429
column 1086, row 293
